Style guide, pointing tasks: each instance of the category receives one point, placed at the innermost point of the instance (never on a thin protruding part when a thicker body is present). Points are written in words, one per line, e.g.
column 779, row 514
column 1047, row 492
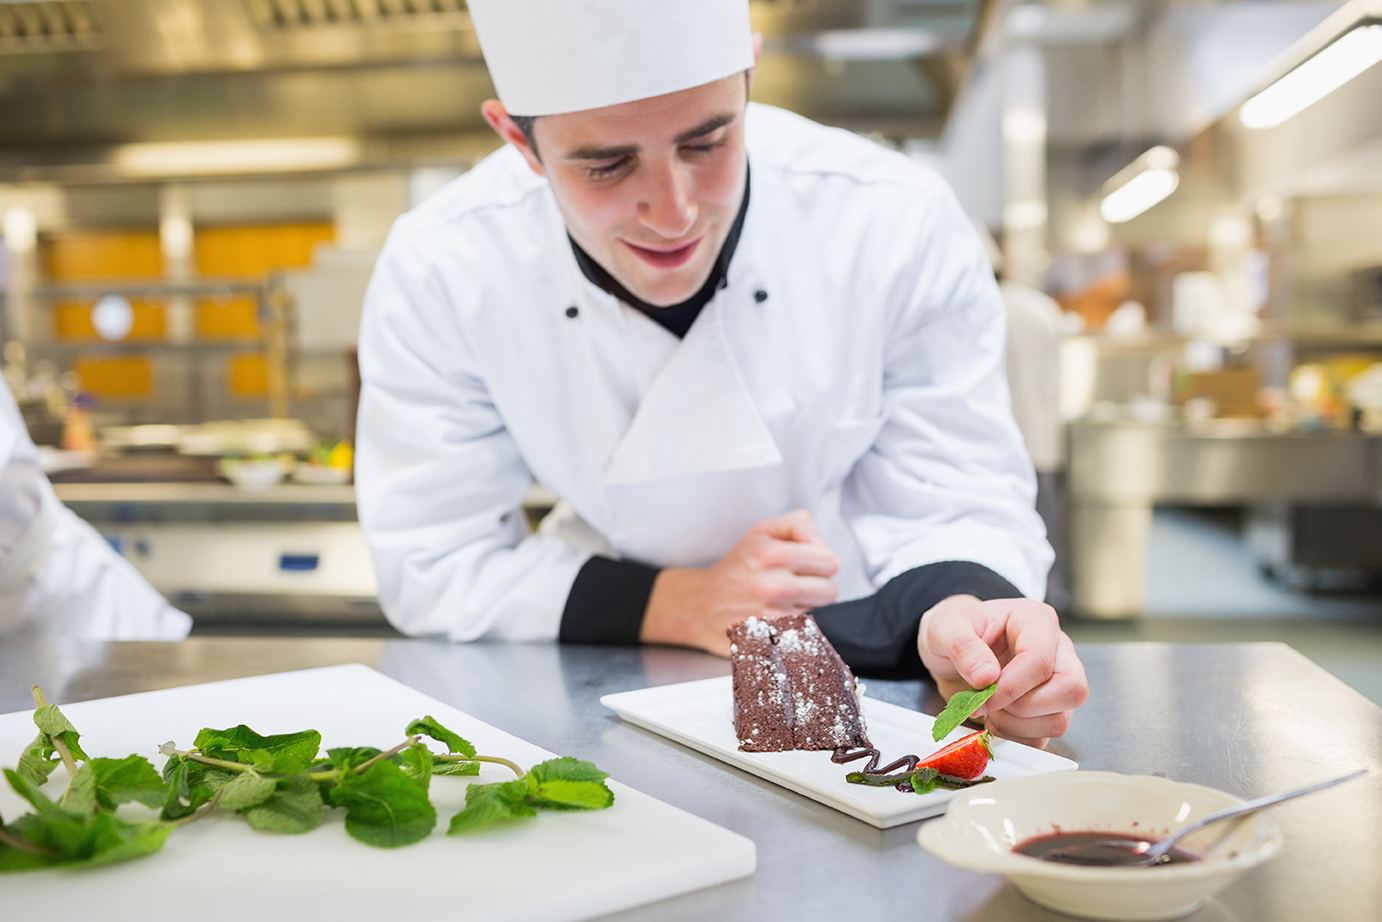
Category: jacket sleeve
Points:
column 948, row 478
column 57, row 575
column 440, row 482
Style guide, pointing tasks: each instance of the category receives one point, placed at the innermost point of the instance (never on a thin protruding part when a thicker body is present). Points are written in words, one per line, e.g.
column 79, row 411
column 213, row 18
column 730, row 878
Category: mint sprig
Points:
column 958, row 709
column 280, row 783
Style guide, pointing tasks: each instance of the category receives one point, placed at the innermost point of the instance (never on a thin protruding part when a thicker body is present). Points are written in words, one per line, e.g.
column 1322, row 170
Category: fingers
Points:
column 799, row 593
column 1046, row 710
column 1066, row 690
column 949, row 635
column 798, row 526
column 789, row 556
column 1032, row 632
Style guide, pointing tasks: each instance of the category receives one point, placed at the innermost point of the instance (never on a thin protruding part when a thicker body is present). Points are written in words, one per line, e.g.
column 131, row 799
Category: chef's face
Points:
column 648, row 188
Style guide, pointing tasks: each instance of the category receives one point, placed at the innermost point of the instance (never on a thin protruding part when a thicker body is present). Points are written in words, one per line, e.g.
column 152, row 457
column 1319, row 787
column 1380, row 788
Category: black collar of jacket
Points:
column 677, row 317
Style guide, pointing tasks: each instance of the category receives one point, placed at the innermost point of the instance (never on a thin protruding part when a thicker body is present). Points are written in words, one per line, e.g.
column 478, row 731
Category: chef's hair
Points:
column 525, row 125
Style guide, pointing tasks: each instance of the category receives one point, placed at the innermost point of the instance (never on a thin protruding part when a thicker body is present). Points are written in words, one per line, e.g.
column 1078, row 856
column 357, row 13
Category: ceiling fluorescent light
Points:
column 208, row 158
column 876, row 44
column 1140, row 185
column 1331, row 68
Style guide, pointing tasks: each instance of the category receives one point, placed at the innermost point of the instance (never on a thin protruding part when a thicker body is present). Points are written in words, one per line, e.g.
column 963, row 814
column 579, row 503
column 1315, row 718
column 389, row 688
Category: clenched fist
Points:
column 780, row 566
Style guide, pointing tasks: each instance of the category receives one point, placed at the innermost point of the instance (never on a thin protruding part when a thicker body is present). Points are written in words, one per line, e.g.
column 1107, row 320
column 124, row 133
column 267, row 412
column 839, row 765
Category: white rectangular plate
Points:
column 557, row 866
column 701, row 715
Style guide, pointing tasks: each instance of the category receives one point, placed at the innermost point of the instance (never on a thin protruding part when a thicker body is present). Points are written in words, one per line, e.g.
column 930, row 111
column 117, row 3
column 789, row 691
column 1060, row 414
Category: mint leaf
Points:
column 186, row 790
column 294, row 807
column 957, row 710
column 52, row 722
column 104, row 839
column 568, row 784
column 248, row 789
column 120, row 781
column 52, row 826
column 924, row 780
column 874, row 779
column 428, row 726
column 239, row 744
column 114, row 839
column 456, row 768
column 80, row 797
column 418, row 764
column 384, row 807
column 346, row 759
column 487, row 804
column 38, row 760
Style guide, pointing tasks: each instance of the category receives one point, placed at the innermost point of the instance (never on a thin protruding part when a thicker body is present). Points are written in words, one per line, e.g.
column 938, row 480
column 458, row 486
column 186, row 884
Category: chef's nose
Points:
column 667, row 206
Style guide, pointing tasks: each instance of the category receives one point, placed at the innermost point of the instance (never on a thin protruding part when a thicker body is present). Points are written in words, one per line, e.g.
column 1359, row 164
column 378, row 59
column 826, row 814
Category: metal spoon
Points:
column 1156, row 852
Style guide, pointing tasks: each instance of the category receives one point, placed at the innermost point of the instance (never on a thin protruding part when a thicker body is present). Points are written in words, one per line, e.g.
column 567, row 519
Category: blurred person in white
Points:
column 1033, row 366
column 58, row 576
column 759, row 360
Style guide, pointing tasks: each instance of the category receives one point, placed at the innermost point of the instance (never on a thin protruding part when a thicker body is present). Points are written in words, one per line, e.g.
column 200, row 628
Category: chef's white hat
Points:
column 552, row 56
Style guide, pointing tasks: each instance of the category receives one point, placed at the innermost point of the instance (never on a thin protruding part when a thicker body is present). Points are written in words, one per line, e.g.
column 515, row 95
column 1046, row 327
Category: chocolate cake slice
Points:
column 791, row 689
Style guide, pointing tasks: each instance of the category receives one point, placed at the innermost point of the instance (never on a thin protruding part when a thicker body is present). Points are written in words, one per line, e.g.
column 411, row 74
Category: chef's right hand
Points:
column 781, row 566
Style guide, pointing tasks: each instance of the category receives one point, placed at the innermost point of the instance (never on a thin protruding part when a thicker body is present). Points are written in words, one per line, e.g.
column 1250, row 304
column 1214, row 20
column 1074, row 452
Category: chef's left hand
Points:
column 1018, row 643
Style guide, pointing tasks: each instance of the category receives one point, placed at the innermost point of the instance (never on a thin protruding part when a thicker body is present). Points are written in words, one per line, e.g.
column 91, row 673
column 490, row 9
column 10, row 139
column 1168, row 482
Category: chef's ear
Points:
column 503, row 124
column 757, row 51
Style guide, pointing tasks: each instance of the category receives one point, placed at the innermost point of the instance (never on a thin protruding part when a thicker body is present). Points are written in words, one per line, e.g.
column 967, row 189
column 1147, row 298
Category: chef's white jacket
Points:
column 852, row 366
column 57, row 575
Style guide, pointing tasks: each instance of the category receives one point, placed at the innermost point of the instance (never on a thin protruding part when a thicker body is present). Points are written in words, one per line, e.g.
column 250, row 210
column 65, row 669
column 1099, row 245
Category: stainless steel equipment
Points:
column 1119, row 470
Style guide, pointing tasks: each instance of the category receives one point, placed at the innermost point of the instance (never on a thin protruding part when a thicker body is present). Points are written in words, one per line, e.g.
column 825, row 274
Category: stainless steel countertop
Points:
column 1249, row 718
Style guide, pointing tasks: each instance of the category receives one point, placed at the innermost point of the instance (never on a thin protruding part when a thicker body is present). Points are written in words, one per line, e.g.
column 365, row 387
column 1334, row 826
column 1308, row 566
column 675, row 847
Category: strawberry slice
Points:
column 965, row 758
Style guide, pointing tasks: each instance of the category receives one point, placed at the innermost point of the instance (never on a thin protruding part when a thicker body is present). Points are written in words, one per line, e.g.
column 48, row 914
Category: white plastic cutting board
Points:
column 559, row 866
column 701, row 715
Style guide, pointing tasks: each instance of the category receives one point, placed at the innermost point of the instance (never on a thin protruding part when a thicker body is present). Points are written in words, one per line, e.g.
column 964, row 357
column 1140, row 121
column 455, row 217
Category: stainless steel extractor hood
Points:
column 401, row 79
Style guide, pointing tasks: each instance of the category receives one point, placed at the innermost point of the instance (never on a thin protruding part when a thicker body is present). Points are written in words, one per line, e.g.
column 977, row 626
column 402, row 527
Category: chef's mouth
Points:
column 665, row 259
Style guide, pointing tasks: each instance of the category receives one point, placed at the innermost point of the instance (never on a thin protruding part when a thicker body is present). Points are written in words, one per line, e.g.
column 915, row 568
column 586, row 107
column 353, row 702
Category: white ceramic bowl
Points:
column 983, row 824
column 251, row 475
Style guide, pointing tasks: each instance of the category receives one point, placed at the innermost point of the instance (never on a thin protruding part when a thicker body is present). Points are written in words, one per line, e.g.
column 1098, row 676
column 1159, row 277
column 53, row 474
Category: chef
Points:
column 759, row 360
column 57, row 575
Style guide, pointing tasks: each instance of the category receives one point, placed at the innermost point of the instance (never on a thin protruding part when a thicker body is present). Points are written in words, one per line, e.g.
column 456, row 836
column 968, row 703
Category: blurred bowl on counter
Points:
column 253, row 474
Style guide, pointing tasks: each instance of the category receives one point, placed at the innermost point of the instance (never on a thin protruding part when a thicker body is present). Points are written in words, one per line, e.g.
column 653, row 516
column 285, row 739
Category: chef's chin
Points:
column 665, row 287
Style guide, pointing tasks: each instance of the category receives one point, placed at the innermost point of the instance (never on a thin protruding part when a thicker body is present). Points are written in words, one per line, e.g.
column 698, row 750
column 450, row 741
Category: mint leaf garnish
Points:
column 487, row 804
column 428, row 726
column 569, row 784
column 80, row 796
column 384, row 807
column 132, row 778
column 39, row 759
column 55, row 726
column 246, row 790
column 294, row 807
column 418, row 764
column 957, row 710
column 239, row 744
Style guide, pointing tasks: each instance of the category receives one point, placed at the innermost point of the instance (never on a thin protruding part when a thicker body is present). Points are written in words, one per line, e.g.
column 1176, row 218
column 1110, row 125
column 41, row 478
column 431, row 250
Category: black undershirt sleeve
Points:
column 877, row 635
column 607, row 602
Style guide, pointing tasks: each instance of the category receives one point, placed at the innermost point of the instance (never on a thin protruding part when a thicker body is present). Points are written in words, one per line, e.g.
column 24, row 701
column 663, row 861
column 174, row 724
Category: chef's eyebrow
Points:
column 624, row 150
column 706, row 127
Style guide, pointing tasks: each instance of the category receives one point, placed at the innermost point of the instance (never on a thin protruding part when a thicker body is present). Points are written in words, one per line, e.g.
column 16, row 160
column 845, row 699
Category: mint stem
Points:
column 24, row 845
column 202, row 811
column 58, row 744
column 168, row 749
column 456, row 757
column 360, row 769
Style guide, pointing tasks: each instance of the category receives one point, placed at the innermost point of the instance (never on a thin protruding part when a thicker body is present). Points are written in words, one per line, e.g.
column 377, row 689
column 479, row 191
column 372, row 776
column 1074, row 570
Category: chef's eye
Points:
column 606, row 170
column 707, row 148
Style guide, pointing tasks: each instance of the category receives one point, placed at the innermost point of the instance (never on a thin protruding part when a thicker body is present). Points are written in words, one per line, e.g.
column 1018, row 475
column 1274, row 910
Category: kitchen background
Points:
column 193, row 193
